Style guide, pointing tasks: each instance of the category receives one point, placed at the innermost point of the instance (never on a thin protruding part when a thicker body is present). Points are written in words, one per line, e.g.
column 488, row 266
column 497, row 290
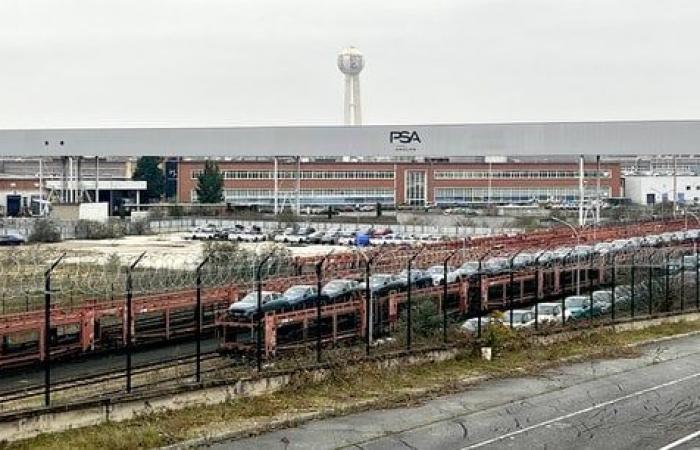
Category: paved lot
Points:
column 646, row 402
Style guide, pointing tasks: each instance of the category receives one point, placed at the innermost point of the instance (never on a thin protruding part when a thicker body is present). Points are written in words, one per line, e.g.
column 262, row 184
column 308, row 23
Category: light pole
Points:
column 368, row 295
column 693, row 215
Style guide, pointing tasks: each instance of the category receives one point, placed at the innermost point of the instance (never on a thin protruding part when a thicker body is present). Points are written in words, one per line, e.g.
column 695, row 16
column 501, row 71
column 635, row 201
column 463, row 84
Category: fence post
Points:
column 651, row 290
column 666, row 284
column 632, row 289
column 479, row 297
column 539, row 279
column 590, row 290
column 368, row 304
column 511, row 294
column 319, row 276
column 129, row 318
column 409, row 322
column 47, row 331
column 682, row 281
column 259, row 313
column 697, row 277
column 614, row 284
column 444, row 295
column 198, row 320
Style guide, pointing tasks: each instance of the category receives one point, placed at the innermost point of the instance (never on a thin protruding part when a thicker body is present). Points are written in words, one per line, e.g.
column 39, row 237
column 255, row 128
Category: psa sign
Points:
column 404, row 137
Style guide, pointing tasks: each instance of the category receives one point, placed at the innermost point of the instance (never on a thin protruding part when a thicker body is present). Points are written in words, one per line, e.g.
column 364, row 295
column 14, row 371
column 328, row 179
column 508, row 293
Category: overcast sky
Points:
column 99, row 63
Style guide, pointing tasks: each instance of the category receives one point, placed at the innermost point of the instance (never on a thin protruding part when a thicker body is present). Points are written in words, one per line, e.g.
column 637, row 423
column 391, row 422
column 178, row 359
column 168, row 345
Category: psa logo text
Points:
column 404, row 137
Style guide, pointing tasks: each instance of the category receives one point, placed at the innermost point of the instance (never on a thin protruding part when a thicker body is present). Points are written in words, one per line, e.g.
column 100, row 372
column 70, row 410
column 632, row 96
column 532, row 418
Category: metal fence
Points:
column 67, row 228
column 540, row 295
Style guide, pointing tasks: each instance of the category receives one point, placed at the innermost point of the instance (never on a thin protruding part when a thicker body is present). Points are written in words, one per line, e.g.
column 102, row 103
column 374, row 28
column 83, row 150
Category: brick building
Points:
column 416, row 183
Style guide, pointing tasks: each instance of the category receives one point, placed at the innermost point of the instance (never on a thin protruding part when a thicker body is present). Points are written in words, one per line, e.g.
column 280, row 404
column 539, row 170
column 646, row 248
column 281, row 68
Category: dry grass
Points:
column 350, row 389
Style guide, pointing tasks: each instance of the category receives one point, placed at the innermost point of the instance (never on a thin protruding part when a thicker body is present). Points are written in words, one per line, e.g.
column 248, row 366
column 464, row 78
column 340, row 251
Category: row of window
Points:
column 307, row 196
column 305, row 174
column 511, row 174
column 512, row 195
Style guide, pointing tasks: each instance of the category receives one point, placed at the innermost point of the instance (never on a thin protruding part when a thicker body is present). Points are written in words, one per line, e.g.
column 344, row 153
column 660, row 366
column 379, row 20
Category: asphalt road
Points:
column 652, row 401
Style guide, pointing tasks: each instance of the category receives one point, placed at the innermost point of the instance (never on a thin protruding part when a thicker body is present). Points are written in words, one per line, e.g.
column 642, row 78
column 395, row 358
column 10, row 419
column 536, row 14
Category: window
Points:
column 308, row 197
column 305, row 174
column 514, row 174
column 512, row 194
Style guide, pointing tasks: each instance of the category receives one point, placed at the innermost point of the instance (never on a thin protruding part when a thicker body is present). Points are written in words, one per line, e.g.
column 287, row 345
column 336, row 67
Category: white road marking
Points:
column 680, row 441
column 583, row 411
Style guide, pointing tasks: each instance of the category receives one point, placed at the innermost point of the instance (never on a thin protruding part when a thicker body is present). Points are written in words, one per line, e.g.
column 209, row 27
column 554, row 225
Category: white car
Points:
column 603, row 248
column 437, row 273
column 203, row 233
column 522, row 260
column 468, row 268
column 346, row 238
column 246, row 235
column 619, row 245
column 289, row 236
column 522, row 318
column 550, row 313
column 472, row 325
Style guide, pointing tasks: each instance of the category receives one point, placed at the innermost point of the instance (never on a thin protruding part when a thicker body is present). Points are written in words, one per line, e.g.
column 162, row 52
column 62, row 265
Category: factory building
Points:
column 264, row 183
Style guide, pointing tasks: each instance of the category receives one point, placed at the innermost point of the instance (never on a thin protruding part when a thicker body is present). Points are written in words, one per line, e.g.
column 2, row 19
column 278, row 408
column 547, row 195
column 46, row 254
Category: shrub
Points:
column 45, row 230
column 90, row 229
column 140, row 227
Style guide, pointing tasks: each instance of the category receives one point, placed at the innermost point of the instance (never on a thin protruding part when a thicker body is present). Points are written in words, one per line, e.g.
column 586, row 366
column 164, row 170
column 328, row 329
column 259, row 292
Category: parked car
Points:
column 340, row 288
column 346, row 238
column 299, row 296
column 246, row 307
column 603, row 248
column 495, row 265
column 604, row 300
column 550, row 313
column 315, row 237
column 290, row 236
column 247, row 234
column 204, row 233
column 419, row 278
column 468, row 268
column 522, row 260
column 223, row 233
column 472, row 325
column 579, row 307
column 11, row 240
column 331, row 237
column 438, row 274
column 544, row 257
column 522, row 318
column 383, row 283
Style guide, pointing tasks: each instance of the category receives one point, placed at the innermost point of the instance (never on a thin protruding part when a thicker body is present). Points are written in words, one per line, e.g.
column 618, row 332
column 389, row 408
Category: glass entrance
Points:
column 415, row 188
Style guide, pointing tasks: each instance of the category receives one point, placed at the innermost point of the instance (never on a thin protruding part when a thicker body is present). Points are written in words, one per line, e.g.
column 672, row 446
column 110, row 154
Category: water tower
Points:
column 351, row 62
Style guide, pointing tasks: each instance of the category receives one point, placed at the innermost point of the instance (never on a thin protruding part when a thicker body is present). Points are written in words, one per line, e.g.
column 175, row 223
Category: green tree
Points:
column 210, row 184
column 148, row 170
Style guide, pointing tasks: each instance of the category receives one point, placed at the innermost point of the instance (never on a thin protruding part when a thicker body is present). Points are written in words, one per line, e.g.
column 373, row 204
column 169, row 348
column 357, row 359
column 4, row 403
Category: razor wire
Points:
column 100, row 277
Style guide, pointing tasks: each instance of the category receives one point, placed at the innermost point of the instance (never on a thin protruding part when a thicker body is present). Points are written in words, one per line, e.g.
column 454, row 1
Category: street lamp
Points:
column 577, row 232
column 693, row 215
